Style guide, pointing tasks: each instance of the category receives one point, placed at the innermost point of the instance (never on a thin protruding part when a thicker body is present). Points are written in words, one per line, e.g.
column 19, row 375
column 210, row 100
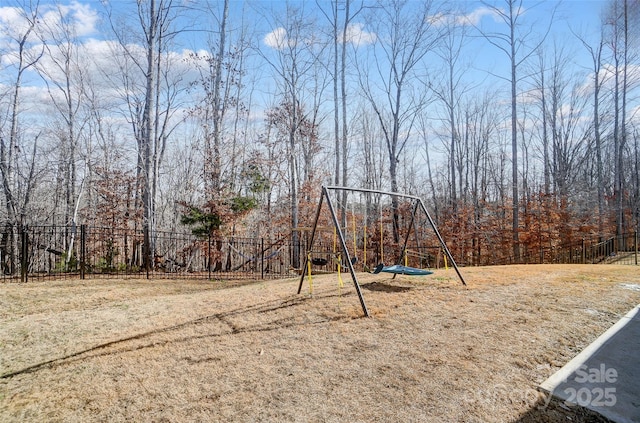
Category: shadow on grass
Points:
column 224, row 318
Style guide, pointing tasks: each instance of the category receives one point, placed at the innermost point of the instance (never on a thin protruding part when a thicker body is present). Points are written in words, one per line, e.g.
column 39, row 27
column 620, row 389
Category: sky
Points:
column 582, row 16
column 489, row 64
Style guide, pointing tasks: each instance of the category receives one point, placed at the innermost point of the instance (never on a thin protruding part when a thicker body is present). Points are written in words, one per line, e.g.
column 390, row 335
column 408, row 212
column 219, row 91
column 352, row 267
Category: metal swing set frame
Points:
column 417, row 206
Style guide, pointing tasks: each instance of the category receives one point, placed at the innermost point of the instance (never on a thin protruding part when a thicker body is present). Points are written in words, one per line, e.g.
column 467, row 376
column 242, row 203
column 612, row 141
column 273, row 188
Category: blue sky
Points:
column 489, row 64
column 582, row 16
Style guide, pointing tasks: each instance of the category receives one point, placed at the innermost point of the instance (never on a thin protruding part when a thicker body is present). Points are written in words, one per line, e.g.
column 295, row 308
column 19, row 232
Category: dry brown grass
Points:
column 114, row 350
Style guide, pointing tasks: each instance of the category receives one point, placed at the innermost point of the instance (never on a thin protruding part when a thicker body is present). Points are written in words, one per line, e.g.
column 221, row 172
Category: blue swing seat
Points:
column 401, row 270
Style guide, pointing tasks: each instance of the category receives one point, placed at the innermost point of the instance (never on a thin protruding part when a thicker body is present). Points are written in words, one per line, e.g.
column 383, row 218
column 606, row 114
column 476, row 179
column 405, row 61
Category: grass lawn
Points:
column 183, row 351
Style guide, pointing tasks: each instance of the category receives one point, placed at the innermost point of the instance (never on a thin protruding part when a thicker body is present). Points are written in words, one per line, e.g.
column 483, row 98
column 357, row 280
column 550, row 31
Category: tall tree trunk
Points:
column 147, row 137
column 218, row 106
column 596, row 58
column 618, row 153
column 336, row 100
column 452, row 128
column 343, row 88
column 295, row 234
column 598, row 140
column 621, row 225
column 545, row 132
column 514, row 141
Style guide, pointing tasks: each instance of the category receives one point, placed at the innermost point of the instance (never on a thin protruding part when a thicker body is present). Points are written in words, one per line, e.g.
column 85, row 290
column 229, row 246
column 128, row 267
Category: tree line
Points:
column 229, row 116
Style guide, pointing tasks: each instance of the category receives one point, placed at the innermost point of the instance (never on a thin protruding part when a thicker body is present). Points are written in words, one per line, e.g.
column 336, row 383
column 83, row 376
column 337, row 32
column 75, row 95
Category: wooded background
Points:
column 187, row 116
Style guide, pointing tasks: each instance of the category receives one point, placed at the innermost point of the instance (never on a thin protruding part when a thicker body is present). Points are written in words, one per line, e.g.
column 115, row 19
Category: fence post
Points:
column 635, row 243
column 83, row 245
column 146, row 251
column 262, row 258
column 584, row 255
column 24, row 259
column 209, row 254
column 541, row 255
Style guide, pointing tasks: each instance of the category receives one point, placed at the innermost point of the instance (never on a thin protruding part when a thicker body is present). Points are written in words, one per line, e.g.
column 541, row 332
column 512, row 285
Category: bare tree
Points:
column 481, row 120
column 340, row 18
column 105, row 155
column 221, row 111
column 449, row 89
column 423, row 131
column 394, row 86
column 595, row 53
column 151, row 86
column 216, row 106
column 64, row 74
column 17, row 182
column 294, row 61
column 620, row 17
column 511, row 43
column 242, row 102
column 541, row 87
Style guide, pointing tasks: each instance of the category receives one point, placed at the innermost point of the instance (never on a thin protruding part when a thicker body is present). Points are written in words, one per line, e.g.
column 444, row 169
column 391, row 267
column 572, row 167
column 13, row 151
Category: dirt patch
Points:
column 385, row 287
column 434, row 350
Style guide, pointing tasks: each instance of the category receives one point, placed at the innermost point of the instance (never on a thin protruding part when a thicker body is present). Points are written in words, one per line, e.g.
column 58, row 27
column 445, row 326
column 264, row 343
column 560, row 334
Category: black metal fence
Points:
column 80, row 252
column 620, row 249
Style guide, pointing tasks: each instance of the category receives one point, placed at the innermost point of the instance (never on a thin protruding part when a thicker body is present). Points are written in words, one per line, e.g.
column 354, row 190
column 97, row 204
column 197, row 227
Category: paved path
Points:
column 605, row 377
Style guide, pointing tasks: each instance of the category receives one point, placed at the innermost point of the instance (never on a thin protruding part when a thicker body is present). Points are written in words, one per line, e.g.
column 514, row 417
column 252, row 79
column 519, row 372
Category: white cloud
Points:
column 358, row 36
column 84, row 18
column 13, row 23
column 607, row 77
column 277, row 38
column 10, row 15
column 474, row 17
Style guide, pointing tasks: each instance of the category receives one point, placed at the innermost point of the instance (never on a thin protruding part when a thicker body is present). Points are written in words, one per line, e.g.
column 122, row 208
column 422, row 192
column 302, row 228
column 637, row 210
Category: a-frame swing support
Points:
column 343, row 244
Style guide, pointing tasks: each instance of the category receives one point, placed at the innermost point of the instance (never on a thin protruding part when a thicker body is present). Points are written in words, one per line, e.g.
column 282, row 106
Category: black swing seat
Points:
column 318, row 261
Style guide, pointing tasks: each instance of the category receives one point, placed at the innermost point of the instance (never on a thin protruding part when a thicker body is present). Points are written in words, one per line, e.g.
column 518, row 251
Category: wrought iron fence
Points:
column 79, row 252
column 620, row 249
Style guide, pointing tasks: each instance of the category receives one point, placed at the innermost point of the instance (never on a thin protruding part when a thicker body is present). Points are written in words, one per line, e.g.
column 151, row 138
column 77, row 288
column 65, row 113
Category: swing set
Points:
column 401, row 267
